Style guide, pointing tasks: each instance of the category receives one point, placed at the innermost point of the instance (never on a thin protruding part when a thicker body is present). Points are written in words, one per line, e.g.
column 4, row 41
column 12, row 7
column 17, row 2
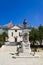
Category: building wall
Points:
column 12, row 34
column 15, row 34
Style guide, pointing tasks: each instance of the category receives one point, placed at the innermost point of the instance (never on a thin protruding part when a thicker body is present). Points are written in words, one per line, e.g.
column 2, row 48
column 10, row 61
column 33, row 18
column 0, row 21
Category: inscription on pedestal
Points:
column 26, row 47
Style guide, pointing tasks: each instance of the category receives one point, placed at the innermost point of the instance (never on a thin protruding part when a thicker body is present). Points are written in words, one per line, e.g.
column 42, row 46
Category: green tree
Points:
column 40, row 28
column 0, row 37
column 34, row 35
column 4, row 35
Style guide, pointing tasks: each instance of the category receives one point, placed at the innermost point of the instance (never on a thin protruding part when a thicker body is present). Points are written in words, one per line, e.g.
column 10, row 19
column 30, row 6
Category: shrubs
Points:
column 0, row 45
column 34, row 49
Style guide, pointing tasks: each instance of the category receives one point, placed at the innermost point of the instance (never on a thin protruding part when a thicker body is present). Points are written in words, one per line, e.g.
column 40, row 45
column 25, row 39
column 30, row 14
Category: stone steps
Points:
column 25, row 56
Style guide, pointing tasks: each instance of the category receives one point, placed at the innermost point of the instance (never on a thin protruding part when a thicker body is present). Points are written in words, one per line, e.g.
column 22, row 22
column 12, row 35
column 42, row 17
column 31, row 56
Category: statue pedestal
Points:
column 26, row 48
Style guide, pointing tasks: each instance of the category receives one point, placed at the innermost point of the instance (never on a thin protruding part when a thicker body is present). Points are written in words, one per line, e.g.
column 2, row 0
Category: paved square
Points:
column 6, row 59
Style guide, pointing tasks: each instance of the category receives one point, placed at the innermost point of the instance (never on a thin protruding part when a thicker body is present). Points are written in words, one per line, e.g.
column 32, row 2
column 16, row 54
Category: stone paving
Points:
column 6, row 58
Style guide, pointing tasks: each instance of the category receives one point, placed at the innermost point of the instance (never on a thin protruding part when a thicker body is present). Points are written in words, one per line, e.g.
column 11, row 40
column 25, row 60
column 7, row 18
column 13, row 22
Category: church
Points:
column 19, row 33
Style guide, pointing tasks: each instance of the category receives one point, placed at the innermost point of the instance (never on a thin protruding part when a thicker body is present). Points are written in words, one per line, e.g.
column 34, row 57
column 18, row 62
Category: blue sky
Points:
column 18, row 10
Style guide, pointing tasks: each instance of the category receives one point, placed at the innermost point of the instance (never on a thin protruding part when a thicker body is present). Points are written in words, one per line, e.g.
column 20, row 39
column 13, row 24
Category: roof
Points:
column 16, row 27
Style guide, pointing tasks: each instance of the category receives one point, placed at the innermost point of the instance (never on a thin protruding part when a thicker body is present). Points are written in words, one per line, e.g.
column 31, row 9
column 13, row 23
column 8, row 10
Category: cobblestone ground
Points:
column 6, row 59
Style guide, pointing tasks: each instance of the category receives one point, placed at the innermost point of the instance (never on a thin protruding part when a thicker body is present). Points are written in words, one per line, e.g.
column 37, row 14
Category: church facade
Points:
column 14, row 34
column 18, row 33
